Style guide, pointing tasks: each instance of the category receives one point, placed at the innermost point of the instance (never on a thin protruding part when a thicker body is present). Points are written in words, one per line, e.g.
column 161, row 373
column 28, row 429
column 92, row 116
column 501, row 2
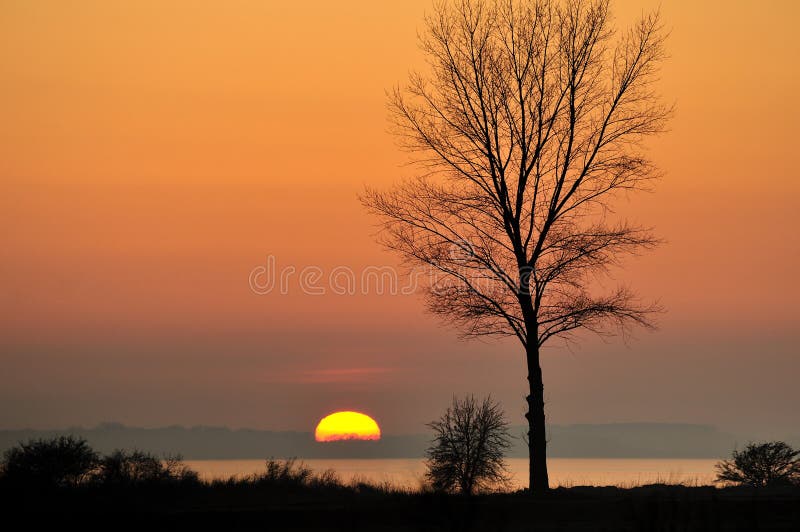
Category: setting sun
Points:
column 347, row 426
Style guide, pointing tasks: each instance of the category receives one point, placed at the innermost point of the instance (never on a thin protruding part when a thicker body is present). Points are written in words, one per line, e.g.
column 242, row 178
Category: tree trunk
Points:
column 537, row 438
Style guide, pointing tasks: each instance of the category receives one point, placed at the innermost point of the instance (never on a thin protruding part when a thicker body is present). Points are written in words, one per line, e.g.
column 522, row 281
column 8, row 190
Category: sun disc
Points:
column 347, row 425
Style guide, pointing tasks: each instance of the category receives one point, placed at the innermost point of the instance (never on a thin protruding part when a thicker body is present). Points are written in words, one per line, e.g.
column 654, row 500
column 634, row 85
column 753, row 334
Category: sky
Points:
column 156, row 156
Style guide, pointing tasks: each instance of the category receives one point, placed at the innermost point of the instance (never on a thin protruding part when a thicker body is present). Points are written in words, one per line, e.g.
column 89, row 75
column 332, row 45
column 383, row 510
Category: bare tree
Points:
column 527, row 125
column 469, row 446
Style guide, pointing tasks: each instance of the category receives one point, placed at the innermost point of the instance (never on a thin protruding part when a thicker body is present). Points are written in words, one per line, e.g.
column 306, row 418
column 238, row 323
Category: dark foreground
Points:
column 242, row 506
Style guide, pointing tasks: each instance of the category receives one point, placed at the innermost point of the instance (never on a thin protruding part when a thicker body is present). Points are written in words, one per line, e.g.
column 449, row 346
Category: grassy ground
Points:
column 295, row 499
column 642, row 509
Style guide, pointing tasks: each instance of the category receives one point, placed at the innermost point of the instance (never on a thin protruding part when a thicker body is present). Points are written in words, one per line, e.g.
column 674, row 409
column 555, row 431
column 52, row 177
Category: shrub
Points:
column 129, row 468
column 285, row 475
column 762, row 464
column 467, row 451
column 286, row 472
column 56, row 462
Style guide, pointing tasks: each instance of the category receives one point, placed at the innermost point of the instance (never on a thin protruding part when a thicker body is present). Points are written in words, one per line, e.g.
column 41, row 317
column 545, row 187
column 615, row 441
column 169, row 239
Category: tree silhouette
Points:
column 56, row 462
column 527, row 125
column 762, row 464
column 132, row 468
column 468, row 448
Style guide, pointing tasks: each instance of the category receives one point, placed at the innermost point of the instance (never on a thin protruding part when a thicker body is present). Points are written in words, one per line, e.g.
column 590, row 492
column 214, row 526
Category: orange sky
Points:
column 153, row 153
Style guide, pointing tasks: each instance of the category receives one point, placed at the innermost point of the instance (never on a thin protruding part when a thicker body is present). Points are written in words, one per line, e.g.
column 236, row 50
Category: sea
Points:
column 566, row 472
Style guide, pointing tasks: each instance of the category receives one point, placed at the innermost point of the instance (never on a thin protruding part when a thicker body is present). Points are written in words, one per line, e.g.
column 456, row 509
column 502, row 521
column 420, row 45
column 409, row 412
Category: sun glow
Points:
column 347, row 426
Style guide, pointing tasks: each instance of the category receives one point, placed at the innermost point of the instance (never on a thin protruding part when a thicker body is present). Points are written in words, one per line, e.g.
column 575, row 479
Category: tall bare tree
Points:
column 527, row 125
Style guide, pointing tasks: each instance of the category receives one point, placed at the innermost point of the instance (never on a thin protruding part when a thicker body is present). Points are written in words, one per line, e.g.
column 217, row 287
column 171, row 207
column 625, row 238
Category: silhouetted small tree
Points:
column 467, row 452
column 55, row 462
column 128, row 468
column 762, row 464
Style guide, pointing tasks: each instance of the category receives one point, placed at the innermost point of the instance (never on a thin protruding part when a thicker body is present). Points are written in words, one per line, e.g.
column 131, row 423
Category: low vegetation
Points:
column 58, row 462
column 68, row 461
column 62, row 480
column 132, row 468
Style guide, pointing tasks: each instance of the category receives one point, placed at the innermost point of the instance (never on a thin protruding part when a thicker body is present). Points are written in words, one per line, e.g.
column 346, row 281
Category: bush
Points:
column 130, row 468
column 55, row 462
column 285, row 476
column 467, row 452
column 762, row 464
column 291, row 473
column 287, row 472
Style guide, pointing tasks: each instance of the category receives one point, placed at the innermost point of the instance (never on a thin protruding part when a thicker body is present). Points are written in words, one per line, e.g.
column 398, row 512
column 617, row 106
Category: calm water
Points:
column 563, row 471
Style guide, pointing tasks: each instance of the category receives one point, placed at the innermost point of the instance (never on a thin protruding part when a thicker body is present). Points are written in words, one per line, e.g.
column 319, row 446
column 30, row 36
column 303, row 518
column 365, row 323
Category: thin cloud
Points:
column 332, row 375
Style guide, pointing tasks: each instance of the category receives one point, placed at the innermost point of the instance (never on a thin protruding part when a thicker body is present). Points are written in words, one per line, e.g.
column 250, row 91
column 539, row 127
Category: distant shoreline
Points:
column 619, row 440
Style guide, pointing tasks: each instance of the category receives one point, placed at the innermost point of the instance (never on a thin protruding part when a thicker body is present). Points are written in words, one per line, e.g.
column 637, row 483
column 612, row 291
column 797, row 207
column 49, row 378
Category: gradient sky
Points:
column 152, row 153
